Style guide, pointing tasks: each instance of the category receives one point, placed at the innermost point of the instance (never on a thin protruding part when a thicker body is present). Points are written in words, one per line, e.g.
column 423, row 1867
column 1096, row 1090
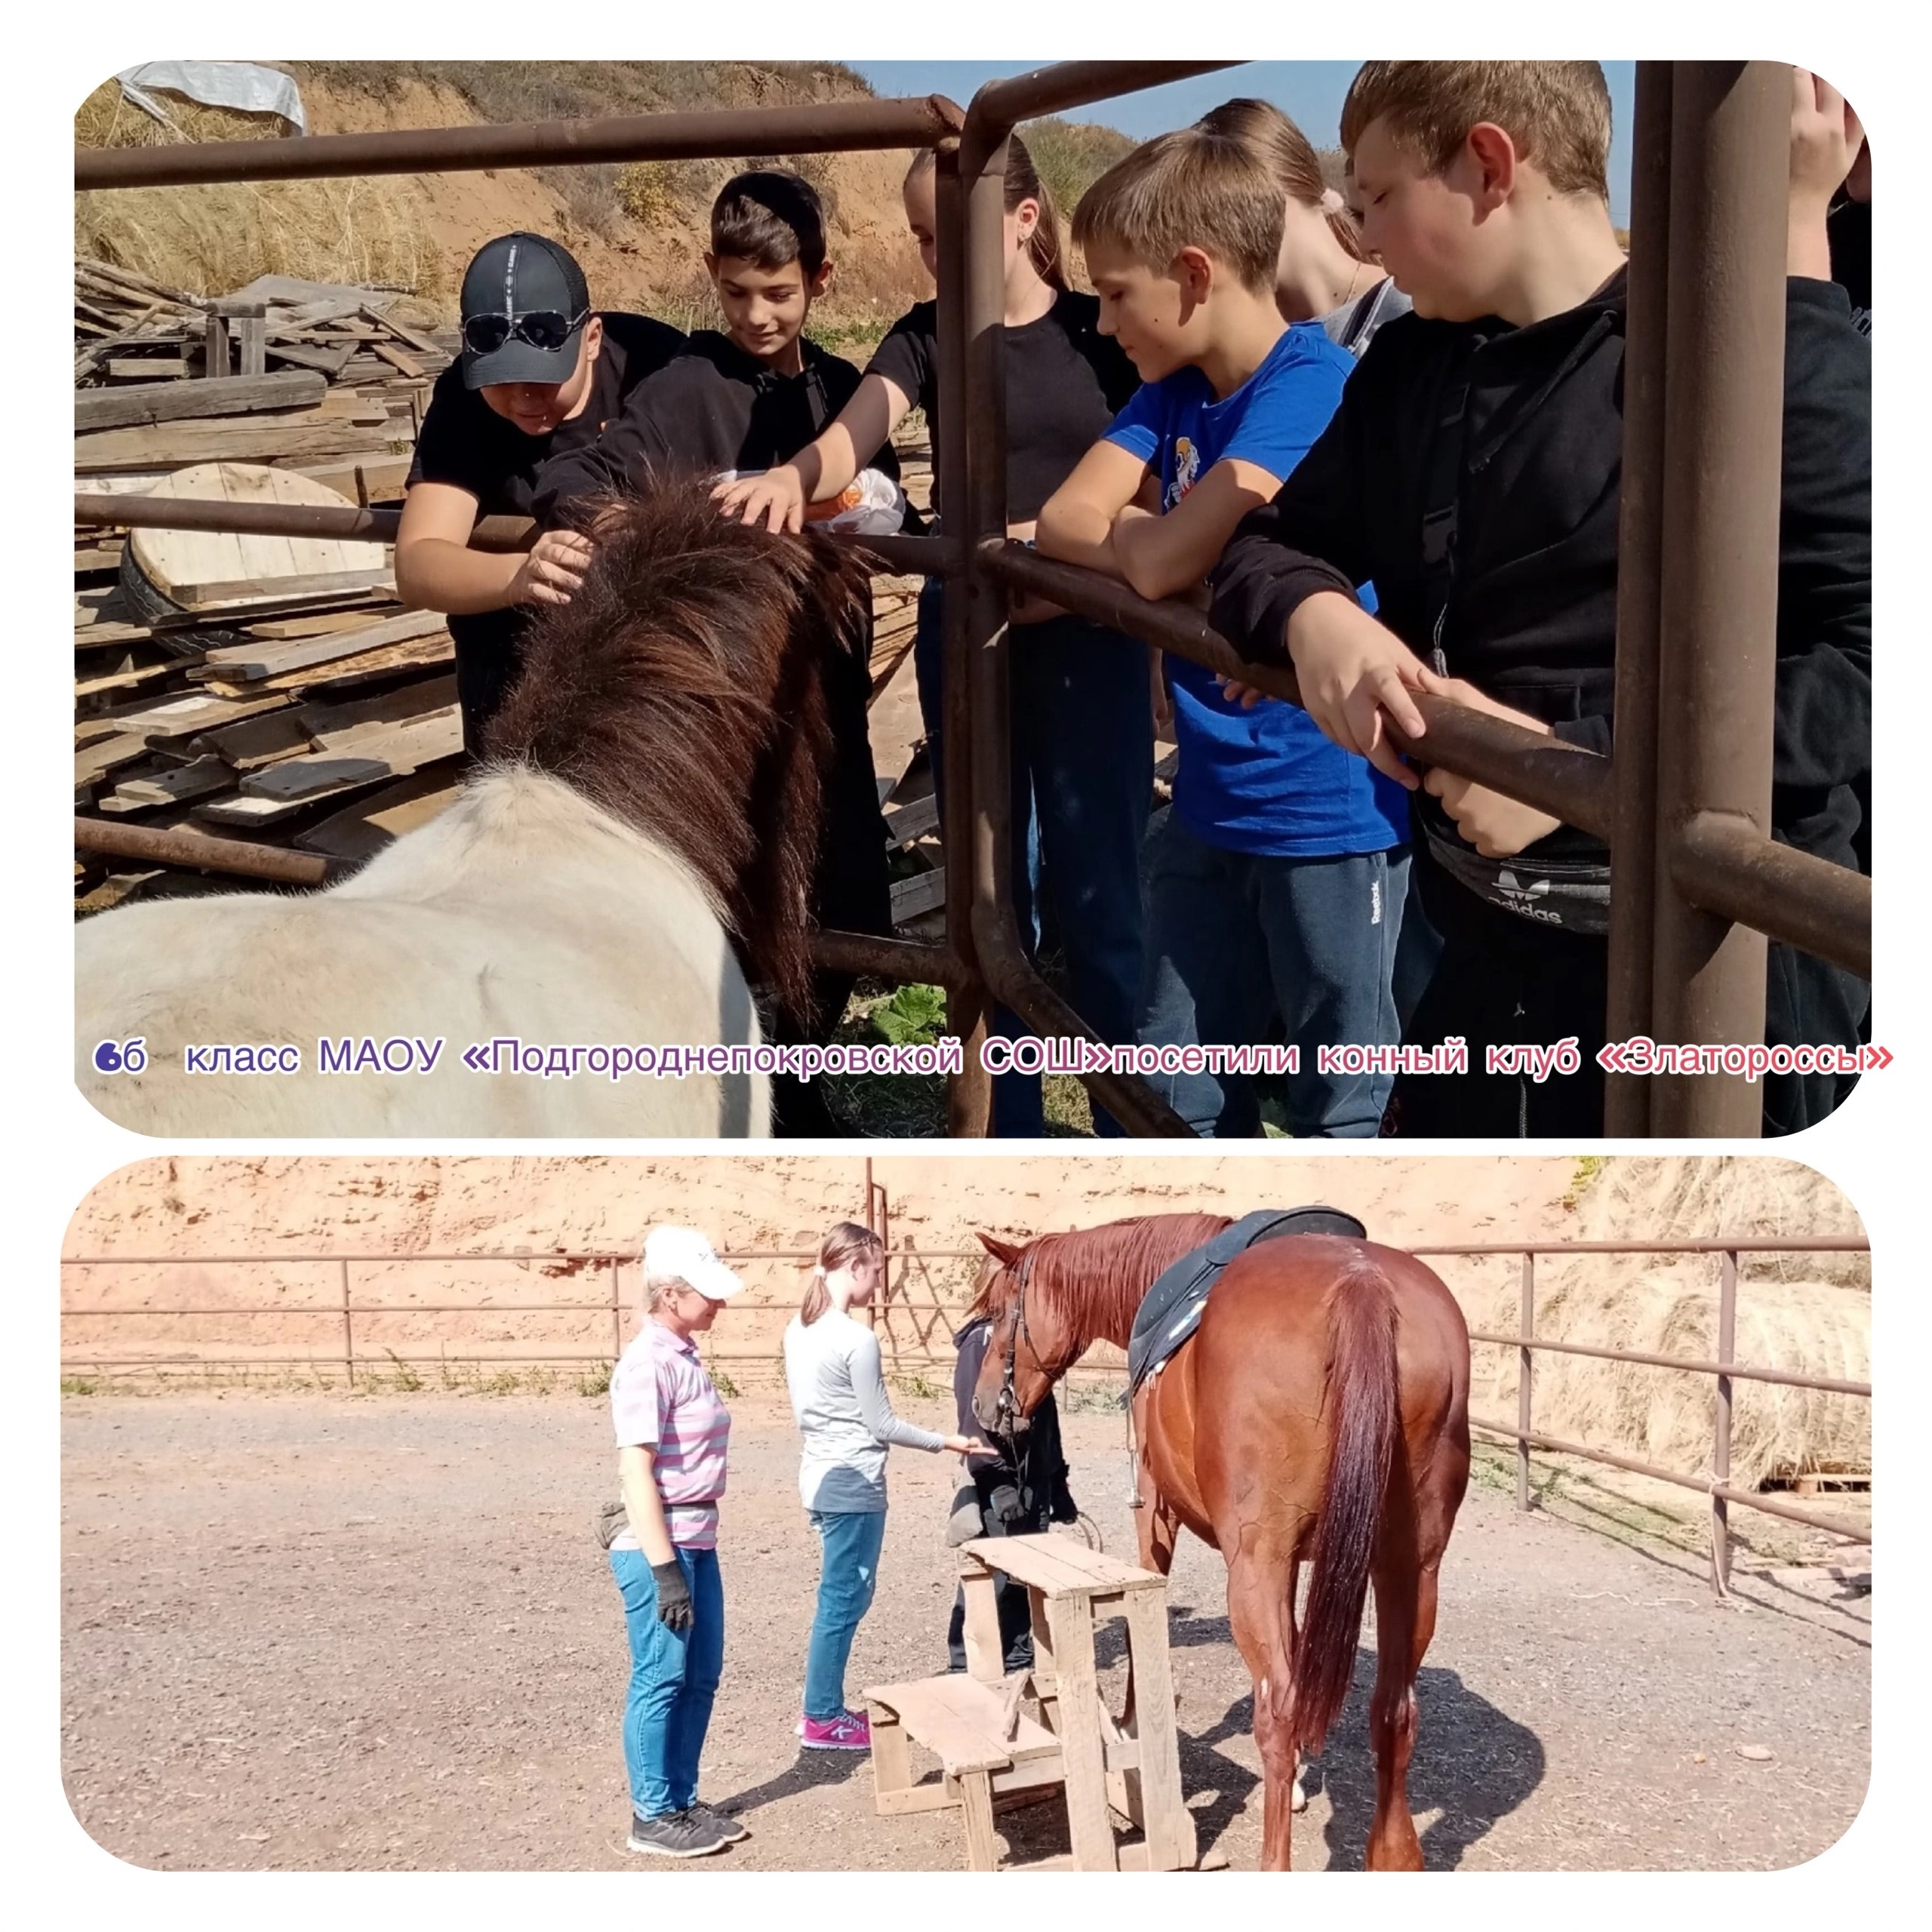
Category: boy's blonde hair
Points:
column 1556, row 111
column 1191, row 188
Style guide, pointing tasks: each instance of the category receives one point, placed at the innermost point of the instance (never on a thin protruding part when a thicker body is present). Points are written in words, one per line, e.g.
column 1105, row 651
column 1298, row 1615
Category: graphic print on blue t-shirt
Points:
column 1264, row 781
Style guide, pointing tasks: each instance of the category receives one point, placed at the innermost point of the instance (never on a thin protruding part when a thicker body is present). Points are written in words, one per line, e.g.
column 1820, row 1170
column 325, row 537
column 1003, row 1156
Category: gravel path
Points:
column 320, row 1632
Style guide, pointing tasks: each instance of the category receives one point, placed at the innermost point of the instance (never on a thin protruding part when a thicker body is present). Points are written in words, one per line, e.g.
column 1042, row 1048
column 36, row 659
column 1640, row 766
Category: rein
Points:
column 1007, row 1409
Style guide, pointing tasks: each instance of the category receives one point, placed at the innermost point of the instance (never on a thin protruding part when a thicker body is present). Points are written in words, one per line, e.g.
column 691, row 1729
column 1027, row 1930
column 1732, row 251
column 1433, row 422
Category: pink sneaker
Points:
column 849, row 1731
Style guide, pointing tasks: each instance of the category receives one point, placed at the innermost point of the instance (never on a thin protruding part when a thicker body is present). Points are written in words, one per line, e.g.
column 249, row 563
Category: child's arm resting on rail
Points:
column 1076, row 523
column 1163, row 555
column 779, row 498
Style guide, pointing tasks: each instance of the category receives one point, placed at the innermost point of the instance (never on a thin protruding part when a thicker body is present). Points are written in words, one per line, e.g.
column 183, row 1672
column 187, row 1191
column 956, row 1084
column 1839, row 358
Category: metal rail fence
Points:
column 907, row 1261
column 1685, row 803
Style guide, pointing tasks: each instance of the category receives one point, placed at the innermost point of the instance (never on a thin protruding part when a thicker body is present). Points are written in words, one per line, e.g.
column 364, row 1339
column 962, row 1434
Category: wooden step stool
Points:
column 987, row 1745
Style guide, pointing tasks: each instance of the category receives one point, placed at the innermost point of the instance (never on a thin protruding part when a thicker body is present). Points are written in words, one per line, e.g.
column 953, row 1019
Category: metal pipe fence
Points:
column 907, row 1259
column 1685, row 802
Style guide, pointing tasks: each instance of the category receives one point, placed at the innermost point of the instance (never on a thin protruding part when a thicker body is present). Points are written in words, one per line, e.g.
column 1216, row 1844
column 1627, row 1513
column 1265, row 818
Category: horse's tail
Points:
column 1364, row 1412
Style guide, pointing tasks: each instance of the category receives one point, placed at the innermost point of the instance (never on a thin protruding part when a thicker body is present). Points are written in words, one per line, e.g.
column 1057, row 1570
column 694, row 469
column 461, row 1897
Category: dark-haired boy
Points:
column 540, row 372
column 750, row 398
column 1473, row 472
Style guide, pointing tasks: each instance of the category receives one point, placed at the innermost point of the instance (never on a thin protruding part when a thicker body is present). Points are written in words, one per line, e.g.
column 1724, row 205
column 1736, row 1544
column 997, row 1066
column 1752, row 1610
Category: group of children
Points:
column 1444, row 520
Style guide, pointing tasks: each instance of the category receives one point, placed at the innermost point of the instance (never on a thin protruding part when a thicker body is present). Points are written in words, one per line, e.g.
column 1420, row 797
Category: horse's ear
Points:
column 1001, row 1250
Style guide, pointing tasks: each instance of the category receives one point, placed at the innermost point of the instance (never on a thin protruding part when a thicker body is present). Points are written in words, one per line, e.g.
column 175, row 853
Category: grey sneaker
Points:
column 727, row 1827
column 688, row 1834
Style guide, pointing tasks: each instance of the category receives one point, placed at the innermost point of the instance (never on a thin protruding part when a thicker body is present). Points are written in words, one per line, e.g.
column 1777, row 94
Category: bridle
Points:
column 1006, row 1409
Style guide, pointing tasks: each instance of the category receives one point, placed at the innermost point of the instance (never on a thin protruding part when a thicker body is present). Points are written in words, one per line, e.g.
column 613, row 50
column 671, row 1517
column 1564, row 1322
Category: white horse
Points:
column 654, row 793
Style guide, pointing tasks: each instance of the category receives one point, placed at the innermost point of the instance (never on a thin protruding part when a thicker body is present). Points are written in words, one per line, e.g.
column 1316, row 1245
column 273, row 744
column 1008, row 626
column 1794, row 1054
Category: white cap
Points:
column 683, row 1253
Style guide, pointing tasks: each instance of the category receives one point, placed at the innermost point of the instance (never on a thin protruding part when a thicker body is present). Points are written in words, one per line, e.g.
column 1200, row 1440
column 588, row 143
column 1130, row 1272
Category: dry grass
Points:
column 108, row 119
column 1806, row 1313
column 212, row 239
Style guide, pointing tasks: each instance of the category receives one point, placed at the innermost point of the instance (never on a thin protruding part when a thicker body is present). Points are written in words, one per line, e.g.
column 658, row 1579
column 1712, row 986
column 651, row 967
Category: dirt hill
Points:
column 638, row 230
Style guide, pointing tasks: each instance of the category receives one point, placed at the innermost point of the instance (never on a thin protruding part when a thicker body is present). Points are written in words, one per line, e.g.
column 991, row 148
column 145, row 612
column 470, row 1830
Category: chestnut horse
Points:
column 1319, row 1414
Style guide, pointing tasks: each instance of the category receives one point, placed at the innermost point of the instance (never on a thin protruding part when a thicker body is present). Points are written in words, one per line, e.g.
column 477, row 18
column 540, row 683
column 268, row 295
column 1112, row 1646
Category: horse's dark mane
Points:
column 1093, row 1278
column 681, row 689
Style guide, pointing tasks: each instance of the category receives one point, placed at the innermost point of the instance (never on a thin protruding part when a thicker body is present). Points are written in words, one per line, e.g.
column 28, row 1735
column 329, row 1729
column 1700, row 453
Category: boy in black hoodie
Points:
column 750, row 399
column 1472, row 472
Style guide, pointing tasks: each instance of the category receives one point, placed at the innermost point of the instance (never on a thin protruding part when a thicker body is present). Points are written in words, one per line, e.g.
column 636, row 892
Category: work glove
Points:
column 674, row 1596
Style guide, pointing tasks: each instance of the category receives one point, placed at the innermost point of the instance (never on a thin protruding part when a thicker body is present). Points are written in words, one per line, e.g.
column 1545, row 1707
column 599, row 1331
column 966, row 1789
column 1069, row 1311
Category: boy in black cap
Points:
column 540, row 372
column 749, row 399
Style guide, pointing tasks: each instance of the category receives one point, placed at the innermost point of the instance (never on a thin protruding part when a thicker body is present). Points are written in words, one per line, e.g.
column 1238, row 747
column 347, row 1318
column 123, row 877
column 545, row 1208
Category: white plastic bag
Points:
column 871, row 505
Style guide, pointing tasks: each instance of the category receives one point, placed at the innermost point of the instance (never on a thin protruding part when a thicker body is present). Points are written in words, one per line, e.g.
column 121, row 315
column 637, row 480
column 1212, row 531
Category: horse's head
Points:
column 1028, row 1348
column 686, row 688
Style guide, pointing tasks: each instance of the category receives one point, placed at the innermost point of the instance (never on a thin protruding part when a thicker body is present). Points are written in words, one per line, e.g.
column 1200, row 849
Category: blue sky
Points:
column 1309, row 92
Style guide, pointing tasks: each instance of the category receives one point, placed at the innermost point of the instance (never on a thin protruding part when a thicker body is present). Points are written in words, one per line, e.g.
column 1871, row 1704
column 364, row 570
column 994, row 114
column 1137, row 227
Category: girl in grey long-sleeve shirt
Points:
column 831, row 1368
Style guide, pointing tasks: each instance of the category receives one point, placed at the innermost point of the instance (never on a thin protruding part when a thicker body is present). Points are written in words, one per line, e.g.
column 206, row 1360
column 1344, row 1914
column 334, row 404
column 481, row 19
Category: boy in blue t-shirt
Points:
column 1276, row 885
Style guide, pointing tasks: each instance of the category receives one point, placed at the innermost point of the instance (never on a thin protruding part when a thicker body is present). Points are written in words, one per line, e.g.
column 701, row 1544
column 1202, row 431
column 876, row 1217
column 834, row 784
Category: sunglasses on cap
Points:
column 542, row 328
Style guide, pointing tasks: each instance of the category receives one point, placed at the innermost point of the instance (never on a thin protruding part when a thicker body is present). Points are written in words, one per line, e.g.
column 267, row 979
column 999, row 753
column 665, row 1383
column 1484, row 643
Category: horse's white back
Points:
column 522, row 912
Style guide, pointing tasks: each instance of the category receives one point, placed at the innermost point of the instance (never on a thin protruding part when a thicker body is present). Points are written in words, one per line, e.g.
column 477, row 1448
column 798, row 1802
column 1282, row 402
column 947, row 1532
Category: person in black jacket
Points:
column 1007, row 1498
column 749, row 399
column 1473, row 473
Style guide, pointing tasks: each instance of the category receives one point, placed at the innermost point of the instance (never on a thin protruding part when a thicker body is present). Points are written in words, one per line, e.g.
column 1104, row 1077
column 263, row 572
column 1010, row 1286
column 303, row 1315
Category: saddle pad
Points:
column 1169, row 1311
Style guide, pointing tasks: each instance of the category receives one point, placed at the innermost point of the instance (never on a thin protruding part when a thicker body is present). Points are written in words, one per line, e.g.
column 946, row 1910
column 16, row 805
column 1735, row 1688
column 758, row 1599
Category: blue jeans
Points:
column 674, row 1679
column 1083, row 779
column 1234, row 940
column 850, row 1541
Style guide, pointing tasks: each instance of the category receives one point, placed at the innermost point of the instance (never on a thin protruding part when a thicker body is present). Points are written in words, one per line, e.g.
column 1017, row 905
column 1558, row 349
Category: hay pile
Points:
column 1811, row 1313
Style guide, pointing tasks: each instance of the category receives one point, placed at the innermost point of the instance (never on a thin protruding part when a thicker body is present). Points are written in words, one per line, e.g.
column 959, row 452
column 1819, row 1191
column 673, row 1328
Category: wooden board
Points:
column 167, row 402
column 326, row 362
column 93, row 762
column 182, row 717
column 265, row 738
column 169, row 787
column 332, row 724
column 383, row 662
column 361, row 830
column 247, row 664
column 391, row 751
column 175, row 562
column 1061, row 1563
column 957, row 1719
column 301, row 435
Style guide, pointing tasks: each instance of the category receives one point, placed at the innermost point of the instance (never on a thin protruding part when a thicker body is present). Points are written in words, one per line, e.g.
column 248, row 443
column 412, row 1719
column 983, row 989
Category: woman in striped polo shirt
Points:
column 672, row 1432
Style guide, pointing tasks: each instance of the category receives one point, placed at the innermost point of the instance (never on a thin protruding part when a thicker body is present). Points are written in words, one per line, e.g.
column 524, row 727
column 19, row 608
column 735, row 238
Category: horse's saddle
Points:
column 1170, row 1310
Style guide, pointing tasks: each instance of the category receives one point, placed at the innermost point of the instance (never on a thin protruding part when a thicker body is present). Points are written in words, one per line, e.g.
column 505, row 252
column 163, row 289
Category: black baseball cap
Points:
column 519, row 276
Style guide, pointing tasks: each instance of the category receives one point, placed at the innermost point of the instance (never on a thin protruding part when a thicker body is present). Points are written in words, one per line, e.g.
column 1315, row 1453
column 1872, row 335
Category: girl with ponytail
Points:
column 1083, row 749
column 838, row 1398
column 1326, row 273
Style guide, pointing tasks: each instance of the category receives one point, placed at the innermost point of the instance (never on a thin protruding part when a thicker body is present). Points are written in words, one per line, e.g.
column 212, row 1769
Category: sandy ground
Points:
column 322, row 1632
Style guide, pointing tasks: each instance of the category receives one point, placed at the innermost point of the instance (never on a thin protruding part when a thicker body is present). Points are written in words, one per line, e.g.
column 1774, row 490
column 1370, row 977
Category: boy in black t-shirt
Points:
column 751, row 398
column 540, row 373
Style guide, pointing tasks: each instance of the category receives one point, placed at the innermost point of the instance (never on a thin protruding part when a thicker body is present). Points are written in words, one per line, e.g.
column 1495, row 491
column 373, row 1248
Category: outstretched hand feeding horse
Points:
column 639, row 843
column 1319, row 1413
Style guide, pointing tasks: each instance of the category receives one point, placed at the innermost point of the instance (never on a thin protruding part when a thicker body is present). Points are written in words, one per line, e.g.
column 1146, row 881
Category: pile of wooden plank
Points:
column 329, row 730
column 327, row 721
column 317, row 377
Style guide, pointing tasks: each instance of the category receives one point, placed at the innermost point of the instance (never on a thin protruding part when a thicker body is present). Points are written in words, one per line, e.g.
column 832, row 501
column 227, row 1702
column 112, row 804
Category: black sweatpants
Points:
column 851, row 892
column 489, row 656
column 1503, row 981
